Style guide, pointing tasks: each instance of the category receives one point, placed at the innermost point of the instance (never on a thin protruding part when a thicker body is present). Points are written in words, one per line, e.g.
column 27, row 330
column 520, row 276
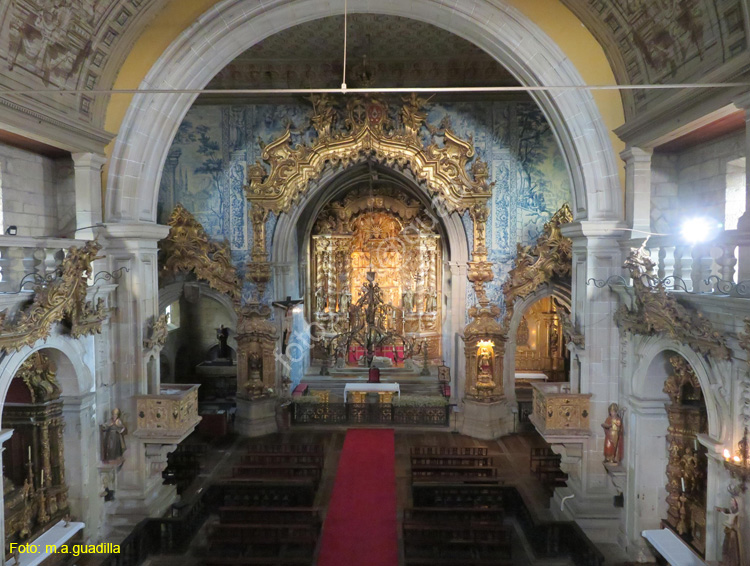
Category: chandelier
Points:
column 739, row 464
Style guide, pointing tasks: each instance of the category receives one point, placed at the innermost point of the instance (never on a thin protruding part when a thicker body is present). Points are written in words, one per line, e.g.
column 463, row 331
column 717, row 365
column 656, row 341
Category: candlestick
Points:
column 683, row 483
column 695, row 444
column 29, row 453
column 681, row 479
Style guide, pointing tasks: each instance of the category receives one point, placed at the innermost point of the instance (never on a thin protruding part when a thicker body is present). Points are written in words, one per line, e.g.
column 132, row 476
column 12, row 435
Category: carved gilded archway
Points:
column 453, row 177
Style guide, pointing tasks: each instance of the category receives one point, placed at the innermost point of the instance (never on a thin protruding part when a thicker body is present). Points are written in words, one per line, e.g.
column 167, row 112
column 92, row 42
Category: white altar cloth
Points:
column 372, row 388
column 672, row 548
column 57, row 535
column 531, row 376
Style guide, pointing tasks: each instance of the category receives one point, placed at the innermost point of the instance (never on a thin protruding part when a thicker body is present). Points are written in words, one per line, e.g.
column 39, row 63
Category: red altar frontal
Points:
column 395, row 353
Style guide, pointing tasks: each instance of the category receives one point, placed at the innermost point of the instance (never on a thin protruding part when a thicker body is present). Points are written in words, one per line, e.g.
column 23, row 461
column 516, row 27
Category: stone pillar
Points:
column 638, row 188
column 596, row 255
column 140, row 492
column 88, row 182
column 5, row 434
column 743, row 225
column 456, row 318
column 81, row 441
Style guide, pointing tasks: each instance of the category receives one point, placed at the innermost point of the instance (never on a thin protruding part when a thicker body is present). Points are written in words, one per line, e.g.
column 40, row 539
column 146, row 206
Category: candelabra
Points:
column 739, row 464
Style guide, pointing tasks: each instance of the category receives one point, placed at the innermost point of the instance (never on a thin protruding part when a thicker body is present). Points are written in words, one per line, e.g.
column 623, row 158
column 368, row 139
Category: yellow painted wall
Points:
column 550, row 15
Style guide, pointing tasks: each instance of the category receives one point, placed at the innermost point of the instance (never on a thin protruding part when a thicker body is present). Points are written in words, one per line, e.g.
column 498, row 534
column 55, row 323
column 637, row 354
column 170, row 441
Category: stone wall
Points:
column 37, row 193
column 695, row 182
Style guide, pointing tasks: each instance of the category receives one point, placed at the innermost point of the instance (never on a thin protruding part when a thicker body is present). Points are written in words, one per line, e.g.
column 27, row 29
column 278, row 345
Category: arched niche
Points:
column 53, row 421
column 555, row 291
column 194, row 341
column 292, row 236
column 654, row 451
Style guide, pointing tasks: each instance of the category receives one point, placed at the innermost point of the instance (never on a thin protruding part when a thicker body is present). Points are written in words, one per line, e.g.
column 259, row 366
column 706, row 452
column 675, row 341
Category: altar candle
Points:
column 681, row 479
column 695, row 444
column 683, row 483
column 29, row 453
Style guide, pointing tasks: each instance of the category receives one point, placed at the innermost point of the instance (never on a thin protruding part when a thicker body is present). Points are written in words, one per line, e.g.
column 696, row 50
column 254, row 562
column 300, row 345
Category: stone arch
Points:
column 231, row 27
column 561, row 293
column 74, row 375
column 172, row 292
column 80, row 435
column 645, row 428
column 643, row 386
column 291, row 237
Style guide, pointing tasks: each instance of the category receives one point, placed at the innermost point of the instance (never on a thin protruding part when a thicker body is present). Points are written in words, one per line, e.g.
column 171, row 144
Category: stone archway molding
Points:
column 229, row 28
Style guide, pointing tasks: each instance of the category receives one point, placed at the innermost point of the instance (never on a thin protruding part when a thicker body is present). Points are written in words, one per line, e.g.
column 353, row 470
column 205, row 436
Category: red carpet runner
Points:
column 360, row 527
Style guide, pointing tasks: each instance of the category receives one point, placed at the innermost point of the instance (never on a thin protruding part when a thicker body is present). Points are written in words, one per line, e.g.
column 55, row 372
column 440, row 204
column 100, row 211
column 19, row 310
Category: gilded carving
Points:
column 485, row 348
column 558, row 411
column 549, row 260
column 166, row 416
column 61, row 299
column 38, row 373
column 368, row 133
column 658, row 312
column 159, row 334
column 687, row 462
column 256, row 342
column 187, row 249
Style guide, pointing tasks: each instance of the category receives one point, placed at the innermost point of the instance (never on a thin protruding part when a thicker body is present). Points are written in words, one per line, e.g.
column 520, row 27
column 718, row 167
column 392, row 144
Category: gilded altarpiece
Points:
column 687, row 464
column 34, row 487
column 389, row 234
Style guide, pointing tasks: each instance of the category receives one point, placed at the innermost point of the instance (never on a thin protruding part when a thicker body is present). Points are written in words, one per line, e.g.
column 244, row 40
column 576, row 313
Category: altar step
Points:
column 336, row 386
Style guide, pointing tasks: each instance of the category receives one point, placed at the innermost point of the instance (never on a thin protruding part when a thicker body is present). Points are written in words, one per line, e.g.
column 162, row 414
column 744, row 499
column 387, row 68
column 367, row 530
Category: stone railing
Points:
column 170, row 415
column 558, row 412
column 21, row 256
column 691, row 267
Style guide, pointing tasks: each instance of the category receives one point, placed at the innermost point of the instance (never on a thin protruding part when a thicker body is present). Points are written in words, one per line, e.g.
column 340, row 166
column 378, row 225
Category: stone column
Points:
column 133, row 246
column 5, row 435
column 81, row 441
column 743, row 225
column 638, row 188
column 455, row 320
column 596, row 255
column 88, row 182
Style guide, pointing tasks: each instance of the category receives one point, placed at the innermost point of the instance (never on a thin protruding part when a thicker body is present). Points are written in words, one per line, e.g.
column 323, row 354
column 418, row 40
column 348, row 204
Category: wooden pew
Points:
column 262, row 493
column 252, row 515
column 284, row 459
column 457, row 460
column 453, row 474
column 448, row 451
column 284, row 449
column 454, row 515
column 271, row 471
column 458, row 495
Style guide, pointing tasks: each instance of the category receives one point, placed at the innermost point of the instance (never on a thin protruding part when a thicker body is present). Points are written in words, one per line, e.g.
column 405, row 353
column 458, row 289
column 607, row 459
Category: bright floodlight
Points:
column 698, row 230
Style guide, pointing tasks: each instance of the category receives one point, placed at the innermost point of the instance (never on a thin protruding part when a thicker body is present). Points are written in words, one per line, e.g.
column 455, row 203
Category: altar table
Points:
column 529, row 376
column 672, row 548
column 372, row 388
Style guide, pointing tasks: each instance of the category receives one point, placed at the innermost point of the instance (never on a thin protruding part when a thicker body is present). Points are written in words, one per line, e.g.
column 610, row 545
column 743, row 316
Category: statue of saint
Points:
column 613, row 435
column 320, row 300
column 731, row 550
column 408, row 301
column 431, row 303
column 255, row 367
column 113, row 438
column 222, row 335
column 344, row 302
column 484, row 364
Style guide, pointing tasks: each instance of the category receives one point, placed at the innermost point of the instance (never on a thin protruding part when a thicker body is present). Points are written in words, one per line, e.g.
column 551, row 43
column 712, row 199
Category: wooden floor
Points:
column 510, row 453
